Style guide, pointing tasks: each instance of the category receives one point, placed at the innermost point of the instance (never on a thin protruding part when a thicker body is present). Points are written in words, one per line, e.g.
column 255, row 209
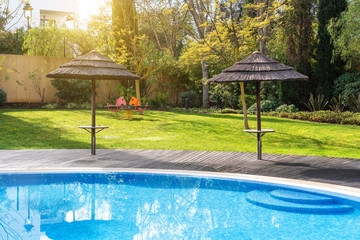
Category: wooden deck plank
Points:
column 339, row 171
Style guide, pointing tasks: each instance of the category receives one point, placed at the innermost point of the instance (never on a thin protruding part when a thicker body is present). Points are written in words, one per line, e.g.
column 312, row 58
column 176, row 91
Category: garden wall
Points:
column 22, row 77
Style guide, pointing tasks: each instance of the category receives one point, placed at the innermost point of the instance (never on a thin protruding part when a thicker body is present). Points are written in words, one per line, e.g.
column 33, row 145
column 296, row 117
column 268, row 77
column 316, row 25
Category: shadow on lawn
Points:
column 264, row 119
column 20, row 134
column 304, row 141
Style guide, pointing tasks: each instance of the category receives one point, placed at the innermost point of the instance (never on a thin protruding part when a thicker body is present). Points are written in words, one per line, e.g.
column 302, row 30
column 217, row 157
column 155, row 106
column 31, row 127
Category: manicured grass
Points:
column 56, row 129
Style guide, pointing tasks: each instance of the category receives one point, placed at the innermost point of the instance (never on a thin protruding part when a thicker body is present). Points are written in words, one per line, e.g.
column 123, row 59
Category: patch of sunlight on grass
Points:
column 147, row 139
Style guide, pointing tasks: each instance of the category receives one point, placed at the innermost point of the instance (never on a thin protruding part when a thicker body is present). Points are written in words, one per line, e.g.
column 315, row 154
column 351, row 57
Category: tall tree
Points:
column 347, row 40
column 164, row 21
column 300, row 38
column 8, row 18
column 203, row 13
column 327, row 71
column 132, row 49
column 124, row 23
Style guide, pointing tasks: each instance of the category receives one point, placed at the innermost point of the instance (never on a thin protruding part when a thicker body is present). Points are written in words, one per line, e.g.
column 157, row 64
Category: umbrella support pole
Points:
column 259, row 135
column 93, row 131
column 93, row 142
column 259, row 146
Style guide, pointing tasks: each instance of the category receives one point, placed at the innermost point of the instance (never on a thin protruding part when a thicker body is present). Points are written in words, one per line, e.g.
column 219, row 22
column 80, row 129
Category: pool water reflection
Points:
column 144, row 206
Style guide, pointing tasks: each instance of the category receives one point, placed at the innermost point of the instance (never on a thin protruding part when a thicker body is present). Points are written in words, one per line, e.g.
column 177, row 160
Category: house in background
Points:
column 45, row 13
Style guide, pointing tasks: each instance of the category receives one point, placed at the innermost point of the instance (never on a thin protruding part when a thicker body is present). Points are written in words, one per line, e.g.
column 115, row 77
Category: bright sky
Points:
column 87, row 8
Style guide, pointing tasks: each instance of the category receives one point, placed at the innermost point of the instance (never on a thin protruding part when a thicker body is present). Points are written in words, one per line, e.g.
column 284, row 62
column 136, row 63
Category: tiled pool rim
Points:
column 348, row 193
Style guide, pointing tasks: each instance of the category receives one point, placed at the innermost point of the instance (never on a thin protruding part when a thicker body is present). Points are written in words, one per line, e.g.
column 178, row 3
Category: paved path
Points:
column 340, row 171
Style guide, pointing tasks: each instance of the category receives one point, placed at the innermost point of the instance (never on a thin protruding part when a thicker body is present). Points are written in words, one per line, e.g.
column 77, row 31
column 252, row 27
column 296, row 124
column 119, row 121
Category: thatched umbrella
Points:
column 256, row 68
column 92, row 66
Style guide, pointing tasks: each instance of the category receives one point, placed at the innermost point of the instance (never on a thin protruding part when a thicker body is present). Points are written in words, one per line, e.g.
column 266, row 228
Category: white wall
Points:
column 62, row 6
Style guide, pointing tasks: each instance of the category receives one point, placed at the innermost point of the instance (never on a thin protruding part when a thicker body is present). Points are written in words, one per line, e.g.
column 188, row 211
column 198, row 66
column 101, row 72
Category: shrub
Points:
column 351, row 89
column 160, row 100
column 73, row 105
column 354, row 103
column 316, row 103
column 287, row 108
column 265, row 105
column 3, row 96
column 336, row 104
column 354, row 119
column 224, row 95
column 50, row 106
column 325, row 117
column 342, row 84
column 193, row 98
column 228, row 110
column 249, row 99
column 273, row 114
column 70, row 90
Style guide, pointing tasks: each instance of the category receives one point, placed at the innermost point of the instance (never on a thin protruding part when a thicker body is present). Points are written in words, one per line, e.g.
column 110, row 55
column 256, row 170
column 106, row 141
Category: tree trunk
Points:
column 243, row 103
column 242, row 92
column 205, row 84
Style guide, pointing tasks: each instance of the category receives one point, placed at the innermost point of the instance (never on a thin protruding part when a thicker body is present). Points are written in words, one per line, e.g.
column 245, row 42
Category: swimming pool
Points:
column 139, row 205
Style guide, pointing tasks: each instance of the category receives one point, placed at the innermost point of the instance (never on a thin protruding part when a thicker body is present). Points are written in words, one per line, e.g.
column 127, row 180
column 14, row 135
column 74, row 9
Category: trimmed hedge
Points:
column 349, row 118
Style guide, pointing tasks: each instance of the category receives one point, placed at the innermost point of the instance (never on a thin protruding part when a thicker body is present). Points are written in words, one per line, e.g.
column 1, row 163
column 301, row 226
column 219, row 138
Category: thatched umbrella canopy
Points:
column 256, row 68
column 92, row 66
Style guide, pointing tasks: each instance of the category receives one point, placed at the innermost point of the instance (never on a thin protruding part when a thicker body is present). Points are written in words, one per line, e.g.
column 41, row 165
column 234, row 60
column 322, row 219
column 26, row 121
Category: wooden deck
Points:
column 340, row 171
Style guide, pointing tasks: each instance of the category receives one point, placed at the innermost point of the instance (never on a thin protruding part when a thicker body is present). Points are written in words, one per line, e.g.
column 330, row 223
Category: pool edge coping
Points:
column 338, row 189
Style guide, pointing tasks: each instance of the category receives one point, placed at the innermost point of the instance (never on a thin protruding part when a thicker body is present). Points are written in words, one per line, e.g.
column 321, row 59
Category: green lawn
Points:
column 49, row 129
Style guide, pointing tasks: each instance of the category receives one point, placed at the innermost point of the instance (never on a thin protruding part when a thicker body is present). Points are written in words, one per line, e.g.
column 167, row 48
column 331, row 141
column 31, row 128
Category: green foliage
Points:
column 328, row 69
column 74, row 105
column 162, row 99
column 249, row 100
column 54, row 41
column 287, row 108
column 300, row 39
column 336, row 104
column 316, row 103
column 228, row 110
column 124, row 23
column 127, row 93
column 166, row 24
column 11, row 42
column 347, row 85
column 51, row 106
column 354, row 103
column 72, row 90
column 343, row 80
column 344, row 32
column 193, row 98
column 270, row 91
column 352, row 120
column 349, row 118
column 225, row 95
column 3, row 96
column 196, row 110
column 265, row 106
column 352, row 89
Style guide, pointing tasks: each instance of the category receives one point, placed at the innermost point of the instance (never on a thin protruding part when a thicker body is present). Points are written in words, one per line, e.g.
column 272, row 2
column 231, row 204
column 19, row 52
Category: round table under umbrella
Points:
column 92, row 66
column 257, row 68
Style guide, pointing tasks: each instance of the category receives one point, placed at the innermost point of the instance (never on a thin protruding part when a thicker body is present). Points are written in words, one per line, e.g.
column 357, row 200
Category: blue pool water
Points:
column 138, row 206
